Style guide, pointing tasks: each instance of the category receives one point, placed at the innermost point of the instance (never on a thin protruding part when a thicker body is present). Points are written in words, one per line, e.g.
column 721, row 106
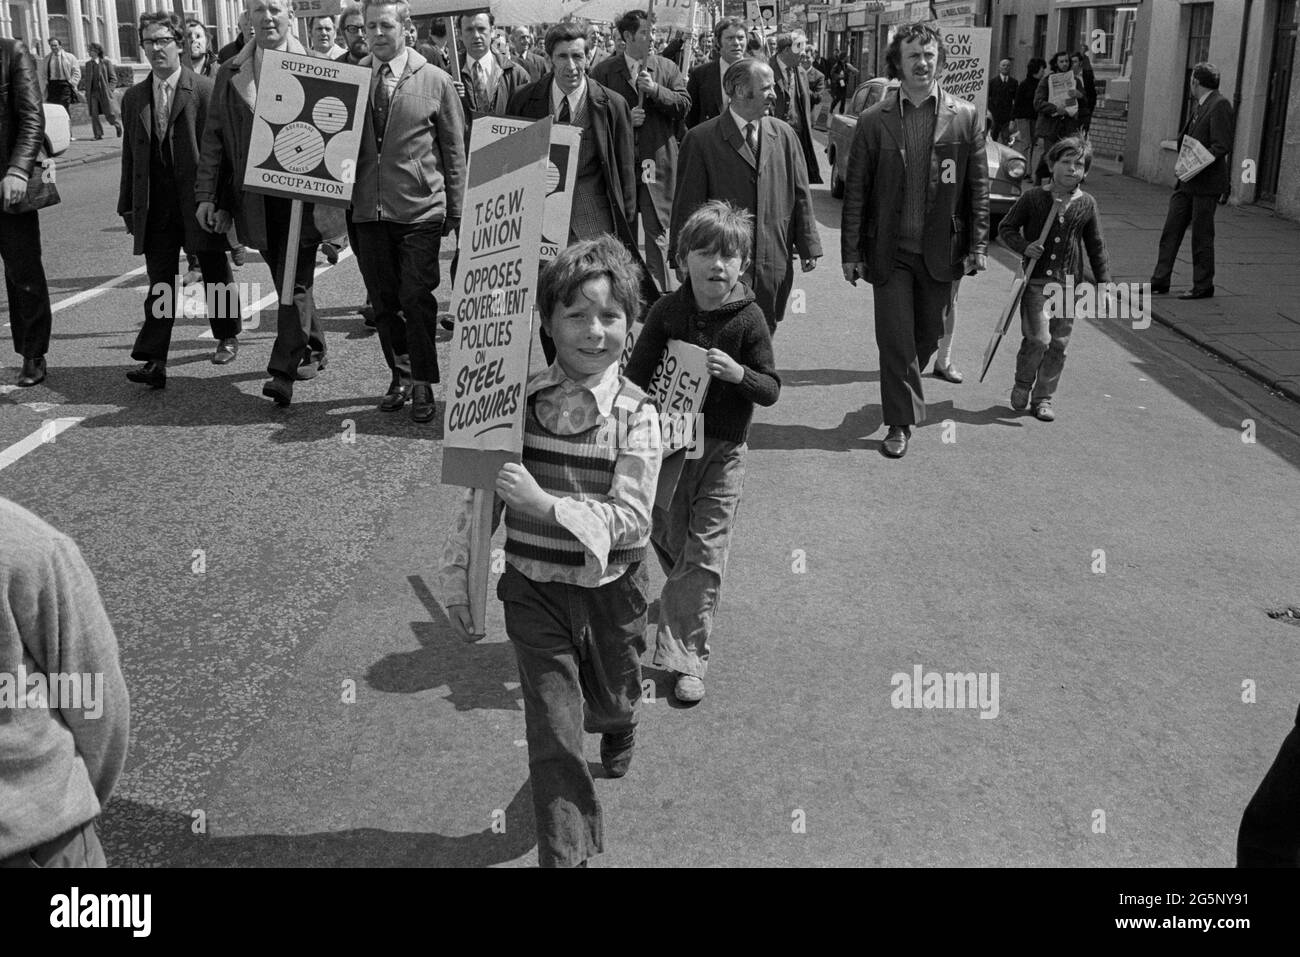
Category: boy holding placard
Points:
column 715, row 311
column 577, row 524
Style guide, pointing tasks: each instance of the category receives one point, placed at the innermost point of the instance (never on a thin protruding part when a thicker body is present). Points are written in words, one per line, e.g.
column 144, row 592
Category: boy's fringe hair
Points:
column 580, row 263
column 717, row 226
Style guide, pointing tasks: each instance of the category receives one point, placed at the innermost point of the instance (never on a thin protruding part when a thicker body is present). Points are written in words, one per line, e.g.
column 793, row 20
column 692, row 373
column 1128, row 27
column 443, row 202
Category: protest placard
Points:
column 1192, row 158
column 561, row 173
column 678, row 387
column 307, row 128
column 966, row 65
column 316, row 8
column 493, row 305
column 676, row 14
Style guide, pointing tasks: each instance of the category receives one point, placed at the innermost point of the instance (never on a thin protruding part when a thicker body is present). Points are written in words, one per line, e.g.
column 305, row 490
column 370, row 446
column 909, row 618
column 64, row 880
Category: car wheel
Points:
column 837, row 185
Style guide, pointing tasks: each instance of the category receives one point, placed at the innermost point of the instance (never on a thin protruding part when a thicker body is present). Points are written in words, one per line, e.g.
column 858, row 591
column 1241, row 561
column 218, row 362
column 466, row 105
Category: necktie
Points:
column 381, row 104
column 566, row 115
column 480, row 86
column 751, row 137
column 162, row 109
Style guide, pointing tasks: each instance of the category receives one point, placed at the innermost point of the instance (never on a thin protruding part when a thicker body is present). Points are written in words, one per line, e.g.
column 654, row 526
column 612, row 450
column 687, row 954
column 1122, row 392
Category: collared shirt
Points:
column 741, row 123
column 633, row 68
column 489, row 64
column 396, row 67
column 574, row 98
column 566, row 407
column 171, row 83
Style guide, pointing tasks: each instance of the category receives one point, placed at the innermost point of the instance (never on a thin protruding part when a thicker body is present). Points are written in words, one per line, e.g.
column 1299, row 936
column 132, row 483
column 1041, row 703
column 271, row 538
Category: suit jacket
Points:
column 536, row 65
column 656, row 138
column 22, row 118
column 957, row 203
column 99, row 77
column 1213, row 126
column 187, row 118
column 1002, row 97
column 224, row 152
column 715, row 164
column 705, row 90
column 420, row 173
column 795, row 107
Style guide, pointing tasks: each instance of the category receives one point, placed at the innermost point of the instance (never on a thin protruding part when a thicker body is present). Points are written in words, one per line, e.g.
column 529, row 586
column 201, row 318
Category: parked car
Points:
column 58, row 129
column 1007, row 167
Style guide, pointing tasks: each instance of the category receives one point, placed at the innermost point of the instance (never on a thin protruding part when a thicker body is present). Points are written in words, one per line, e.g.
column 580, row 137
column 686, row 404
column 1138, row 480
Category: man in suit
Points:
column 22, row 129
column 704, row 87
column 414, row 112
column 524, row 54
column 1002, row 100
column 262, row 221
column 485, row 86
column 99, row 79
column 604, row 194
column 916, row 217
column 1195, row 199
column 166, row 113
column 228, row 51
column 755, row 162
column 656, row 92
column 793, row 96
column 62, row 74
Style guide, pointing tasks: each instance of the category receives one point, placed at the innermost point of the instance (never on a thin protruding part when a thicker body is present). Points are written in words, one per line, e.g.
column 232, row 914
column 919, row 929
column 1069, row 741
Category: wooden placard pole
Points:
column 453, row 59
column 291, row 253
column 480, row 557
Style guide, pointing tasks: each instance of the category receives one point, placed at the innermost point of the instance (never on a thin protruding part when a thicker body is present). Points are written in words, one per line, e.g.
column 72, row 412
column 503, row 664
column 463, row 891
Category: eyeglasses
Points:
column 158, row 43
column 354, row 31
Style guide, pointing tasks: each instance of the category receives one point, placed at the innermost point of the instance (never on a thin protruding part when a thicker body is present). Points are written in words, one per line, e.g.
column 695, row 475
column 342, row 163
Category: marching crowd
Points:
column 692, row 200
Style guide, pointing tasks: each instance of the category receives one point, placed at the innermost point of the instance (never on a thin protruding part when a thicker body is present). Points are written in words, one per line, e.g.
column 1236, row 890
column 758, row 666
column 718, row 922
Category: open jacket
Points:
column 224, row 153
column 188, row 116
column 656, row 138
column 790, row 100
column 957, row 196
column 22, row 118
column 1212, row 127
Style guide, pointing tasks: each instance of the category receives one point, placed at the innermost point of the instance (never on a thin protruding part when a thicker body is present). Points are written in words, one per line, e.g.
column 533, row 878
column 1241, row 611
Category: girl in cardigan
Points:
column 1053, row 261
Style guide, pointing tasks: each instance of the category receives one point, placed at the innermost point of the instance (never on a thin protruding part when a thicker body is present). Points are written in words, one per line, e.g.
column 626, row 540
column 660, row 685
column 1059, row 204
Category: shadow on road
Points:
column 476, row 674
column 850, row 434
column 128, row 826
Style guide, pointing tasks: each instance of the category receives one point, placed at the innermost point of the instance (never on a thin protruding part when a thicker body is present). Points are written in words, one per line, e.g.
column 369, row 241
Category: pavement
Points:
column 1253, row 321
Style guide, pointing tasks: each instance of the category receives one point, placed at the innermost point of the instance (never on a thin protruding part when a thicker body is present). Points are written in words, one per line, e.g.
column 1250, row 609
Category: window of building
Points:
column 1200, row 17
column 1007, row 51
column 128, row 33
column 1125, row 24
column 1040, row 36
column 60, row 27
column 1075, row 36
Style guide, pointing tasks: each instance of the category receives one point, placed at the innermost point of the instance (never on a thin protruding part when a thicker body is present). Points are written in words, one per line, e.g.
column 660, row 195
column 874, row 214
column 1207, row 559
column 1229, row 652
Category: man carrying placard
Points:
column 1197, row 194
column 409, row 188
column 262, row 221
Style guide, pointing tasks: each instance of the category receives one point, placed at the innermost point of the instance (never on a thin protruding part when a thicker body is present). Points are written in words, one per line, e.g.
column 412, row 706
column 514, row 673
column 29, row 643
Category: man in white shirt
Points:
column 62, row 74
column 323, row 35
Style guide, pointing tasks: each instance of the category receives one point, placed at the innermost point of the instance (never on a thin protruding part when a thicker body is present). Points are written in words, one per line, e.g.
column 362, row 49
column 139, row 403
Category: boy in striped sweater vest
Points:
column 577, row 525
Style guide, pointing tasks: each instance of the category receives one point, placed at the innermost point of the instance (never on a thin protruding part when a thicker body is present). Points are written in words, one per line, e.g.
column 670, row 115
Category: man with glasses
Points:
column 160, row 152
column 412, row 142
column 352, row 24
column 262, row 221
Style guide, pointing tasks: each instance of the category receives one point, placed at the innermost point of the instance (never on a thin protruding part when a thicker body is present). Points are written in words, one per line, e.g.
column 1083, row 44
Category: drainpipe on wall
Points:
column 1236, row 94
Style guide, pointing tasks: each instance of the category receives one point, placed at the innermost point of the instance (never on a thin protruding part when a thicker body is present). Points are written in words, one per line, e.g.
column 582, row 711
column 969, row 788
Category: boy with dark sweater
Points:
column 577, row 516
column 713, row 309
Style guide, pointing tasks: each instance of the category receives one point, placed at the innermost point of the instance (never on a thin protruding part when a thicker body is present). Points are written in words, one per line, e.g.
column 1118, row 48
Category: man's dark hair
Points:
column 96, row 49
column 576, row 265
column 717, row 227
column 460, row 20
column 631, row 21
column 161, row 18
column 311, row 24
column 439, row 28
column 565, row 33
column 1056, row 56
column 1036, row 64
column 1206, row 74
column 726, row 23
column 908, row 33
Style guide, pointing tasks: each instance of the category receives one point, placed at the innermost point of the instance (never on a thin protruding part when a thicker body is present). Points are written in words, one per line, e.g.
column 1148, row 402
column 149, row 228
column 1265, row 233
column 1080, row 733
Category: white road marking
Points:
column 46, row 433
column 102, row 288
column 254, row 312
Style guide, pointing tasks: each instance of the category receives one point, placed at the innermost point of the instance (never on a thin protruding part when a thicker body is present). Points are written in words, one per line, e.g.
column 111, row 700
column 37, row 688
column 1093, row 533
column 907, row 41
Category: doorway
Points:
column 1275, row 109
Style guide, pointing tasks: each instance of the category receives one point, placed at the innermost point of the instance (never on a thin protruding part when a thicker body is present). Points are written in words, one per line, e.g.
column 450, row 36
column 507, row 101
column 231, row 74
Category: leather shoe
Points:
column 226, row 352
column 616, row 751
column 895, row 444
column 1159, row 289
column 33, row 371
column 280, row 389
column 238, row 255
column 152, row 374
column 395, row 398
column 311, row 366
column 422, row 407
column 1198, row 293
column 948, row 373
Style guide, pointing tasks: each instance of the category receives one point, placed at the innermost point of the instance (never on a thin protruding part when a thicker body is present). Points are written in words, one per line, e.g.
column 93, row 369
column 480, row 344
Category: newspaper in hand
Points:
column 1192, row 158
column 1062, row 92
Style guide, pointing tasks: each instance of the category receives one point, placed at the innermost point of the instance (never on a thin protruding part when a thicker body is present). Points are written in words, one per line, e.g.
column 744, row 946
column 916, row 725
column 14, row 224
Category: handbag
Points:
column 40, row 193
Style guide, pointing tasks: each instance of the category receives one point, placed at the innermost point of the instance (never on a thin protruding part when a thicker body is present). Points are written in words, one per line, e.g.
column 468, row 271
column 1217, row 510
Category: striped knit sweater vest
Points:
column 570, row 466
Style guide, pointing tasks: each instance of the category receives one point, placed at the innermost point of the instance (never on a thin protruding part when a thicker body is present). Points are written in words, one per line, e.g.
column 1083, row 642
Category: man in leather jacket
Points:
column 22, row 129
